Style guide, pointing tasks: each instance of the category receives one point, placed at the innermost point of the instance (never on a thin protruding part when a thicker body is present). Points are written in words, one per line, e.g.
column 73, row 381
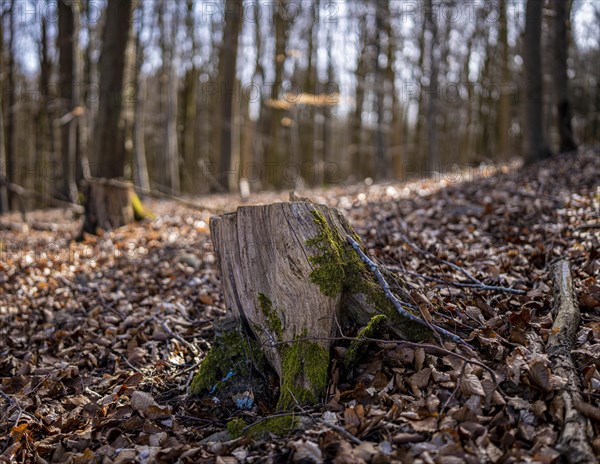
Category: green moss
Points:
column 273, row 320
column 302, row 360
column 236, row 427
column 139, row 212
column 366, row 332
column 279, row 426
column 339, row 270
column 330, row 261
column 231, row 352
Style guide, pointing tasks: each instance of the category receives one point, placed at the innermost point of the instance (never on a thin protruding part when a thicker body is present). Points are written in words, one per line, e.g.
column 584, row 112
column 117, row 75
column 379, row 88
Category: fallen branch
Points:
column 392, row 298
column 574, row 440
column 474, row 281
column 588, row 225
column 154, row 193
column 22, row 192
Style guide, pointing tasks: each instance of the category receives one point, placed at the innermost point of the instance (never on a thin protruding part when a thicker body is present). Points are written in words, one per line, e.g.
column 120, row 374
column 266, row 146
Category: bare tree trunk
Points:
column 274, row 158
column 69, row 87
column 535, row 138
column 141, row 178
column 357, row 156
column 108, row 202
column 4, row 205
column 109, row 205
column 108, row 155
column 171, row 142
column 188, row 111
column 306, row 116
column 227, row 68
column 381, row 162
column 432, row 148
column 11, row 132
column 562, row 13
column 44, row 127
column 504, row 101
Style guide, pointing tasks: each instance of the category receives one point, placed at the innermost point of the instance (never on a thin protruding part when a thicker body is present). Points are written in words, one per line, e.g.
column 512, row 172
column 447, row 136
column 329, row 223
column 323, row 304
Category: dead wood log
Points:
column 574, row 441
column 289, row 277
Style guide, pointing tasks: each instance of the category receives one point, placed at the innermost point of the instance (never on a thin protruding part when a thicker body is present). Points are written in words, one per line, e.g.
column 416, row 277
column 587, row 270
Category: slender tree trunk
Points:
column 141, row 178
column 68, row 85
column 227, row 67
column 274, row 158
column 188, row 112
column 358, row 163
column 432, row 148
column 261, row 124
column 11, row 160
column 504, row 101
column 109, row 202
column 172, row 148
column 108, row 155
column 562, row 13
column 419, row 137
column 306, row 116
column 381, row 163
column 45, row 129
column 4, row 205
column 535, row 138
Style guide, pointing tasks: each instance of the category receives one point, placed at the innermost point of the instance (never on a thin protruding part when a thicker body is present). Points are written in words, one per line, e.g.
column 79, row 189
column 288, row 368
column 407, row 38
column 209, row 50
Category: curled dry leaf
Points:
column 471, row 385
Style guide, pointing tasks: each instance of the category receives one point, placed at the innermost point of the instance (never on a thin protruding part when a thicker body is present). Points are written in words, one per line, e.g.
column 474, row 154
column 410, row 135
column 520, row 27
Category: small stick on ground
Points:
column 392, row 298
column 574, row 440
column 475, row 282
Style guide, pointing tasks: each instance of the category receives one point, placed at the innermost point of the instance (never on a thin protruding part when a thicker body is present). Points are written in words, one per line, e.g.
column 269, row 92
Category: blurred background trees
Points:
column 286, row 94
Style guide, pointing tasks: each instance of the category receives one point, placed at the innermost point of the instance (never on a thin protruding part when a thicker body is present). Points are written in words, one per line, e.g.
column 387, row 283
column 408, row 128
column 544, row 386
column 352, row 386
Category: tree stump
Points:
column 110, row 204
column 289, row 277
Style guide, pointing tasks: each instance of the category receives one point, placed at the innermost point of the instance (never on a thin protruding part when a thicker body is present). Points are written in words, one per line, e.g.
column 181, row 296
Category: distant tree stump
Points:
column 288, row 274
column 110, row 204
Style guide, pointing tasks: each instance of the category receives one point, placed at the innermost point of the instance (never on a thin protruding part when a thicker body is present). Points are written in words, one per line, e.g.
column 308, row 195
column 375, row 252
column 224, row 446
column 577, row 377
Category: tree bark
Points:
column 227, row 67
column 109, row 205
column 4, row 206
column 562, row 12
column 433, row 161
column 504, row 100
column 536, row 146
column 141, row 177
column 11, row 132
column 289, row 278
column 69, row 88
column 108, row 159
column 109, row 202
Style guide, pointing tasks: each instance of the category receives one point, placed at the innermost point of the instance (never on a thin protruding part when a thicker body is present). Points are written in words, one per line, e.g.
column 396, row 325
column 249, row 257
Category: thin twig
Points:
column 341, row 430
column 474, row 285
column 588, row 225
column 456, row 267
column 456, row 387
column 179, row 338
column 475, row 282
column 392, row 298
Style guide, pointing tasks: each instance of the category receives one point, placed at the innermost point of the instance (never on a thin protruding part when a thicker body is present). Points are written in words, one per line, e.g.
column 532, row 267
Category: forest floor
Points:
column 99, row 339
